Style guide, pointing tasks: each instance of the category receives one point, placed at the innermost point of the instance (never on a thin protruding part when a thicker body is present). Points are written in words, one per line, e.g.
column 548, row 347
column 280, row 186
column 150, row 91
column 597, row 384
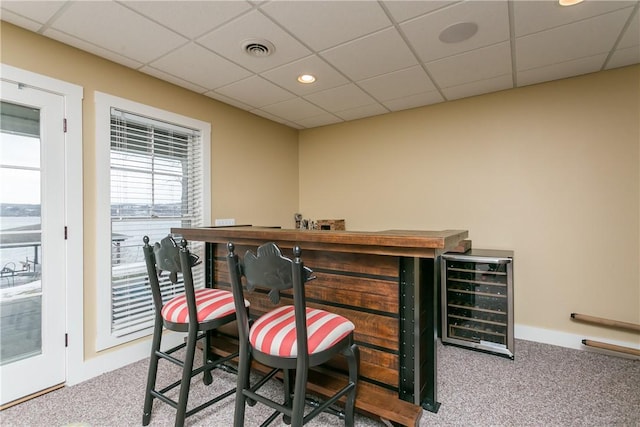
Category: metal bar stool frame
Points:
column 167, row 257
column 269, row 269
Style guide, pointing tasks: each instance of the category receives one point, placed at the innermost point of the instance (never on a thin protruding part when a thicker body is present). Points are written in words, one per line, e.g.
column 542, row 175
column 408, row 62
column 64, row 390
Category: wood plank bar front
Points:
column 384, row 282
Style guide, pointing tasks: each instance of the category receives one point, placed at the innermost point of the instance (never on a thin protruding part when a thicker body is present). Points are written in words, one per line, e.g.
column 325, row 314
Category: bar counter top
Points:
column 388, row 242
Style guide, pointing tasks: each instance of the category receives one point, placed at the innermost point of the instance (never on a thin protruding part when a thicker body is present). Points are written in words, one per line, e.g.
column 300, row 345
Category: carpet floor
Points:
column 544, row 386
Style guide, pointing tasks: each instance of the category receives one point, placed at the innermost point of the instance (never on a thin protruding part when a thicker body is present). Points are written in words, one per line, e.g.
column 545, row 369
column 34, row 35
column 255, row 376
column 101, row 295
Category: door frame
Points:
column 74, row 268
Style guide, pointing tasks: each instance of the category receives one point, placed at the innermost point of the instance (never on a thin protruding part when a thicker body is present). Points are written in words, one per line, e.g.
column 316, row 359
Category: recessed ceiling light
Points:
column 569, row 2
column 458, row 32
column 306, row 78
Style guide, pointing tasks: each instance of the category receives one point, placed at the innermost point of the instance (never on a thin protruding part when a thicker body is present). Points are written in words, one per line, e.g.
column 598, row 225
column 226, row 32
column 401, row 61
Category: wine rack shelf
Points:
column 477, row 300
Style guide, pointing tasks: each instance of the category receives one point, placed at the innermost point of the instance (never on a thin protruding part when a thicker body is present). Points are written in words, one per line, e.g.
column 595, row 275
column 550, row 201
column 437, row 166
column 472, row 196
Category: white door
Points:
column 32, row 241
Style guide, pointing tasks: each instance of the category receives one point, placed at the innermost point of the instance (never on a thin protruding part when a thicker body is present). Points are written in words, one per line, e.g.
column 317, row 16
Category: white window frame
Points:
column 103, row 104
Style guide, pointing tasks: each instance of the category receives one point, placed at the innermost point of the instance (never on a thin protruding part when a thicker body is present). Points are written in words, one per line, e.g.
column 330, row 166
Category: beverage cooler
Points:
column 477, row 300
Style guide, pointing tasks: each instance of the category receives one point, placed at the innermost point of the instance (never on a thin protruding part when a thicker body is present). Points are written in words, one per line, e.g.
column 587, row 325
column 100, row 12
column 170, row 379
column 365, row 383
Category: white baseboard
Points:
column 114, row 359
column 568, row 340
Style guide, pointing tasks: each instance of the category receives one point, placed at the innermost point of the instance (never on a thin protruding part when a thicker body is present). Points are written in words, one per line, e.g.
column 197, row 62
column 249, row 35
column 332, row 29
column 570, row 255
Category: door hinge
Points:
column 64, row 125
column 66, row 340
column 65, row 233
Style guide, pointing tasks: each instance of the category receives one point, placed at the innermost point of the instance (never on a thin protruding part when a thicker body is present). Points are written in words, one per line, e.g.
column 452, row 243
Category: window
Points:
column 154, row 180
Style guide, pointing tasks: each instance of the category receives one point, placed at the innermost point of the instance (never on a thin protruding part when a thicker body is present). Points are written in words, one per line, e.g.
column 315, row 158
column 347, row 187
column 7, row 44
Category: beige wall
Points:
column 550, row 171
column 254, row 162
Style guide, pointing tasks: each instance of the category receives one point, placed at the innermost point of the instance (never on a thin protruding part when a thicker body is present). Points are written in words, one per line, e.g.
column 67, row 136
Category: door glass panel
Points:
column 20, row 234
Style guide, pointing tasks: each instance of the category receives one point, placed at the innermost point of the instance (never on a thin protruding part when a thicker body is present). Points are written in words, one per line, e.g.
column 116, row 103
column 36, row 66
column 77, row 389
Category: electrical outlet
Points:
column 225, row 221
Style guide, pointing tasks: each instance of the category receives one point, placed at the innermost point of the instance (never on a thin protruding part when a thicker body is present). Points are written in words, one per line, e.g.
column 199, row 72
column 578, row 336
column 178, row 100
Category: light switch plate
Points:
column 225, row 221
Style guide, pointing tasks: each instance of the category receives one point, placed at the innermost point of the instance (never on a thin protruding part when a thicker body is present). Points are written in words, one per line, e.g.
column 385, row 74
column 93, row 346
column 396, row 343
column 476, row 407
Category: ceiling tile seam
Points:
column 343, row 42
column 292, row 122
column 339, row 119
column 512, row 43
column 625, row 27
column 227, row 22
column 71, row 36
column 67, row 5
column 204, row 92
column 587, row 18
column 414, row 53
column 301, row 118
column 350, row 81
column 187, row 38
column 313, row 53
column 38, row 24
column 559, row 63
column 318, row 54
column 287, row 122
column 150, row 19
column 431, row 12
column 294, row 94
column 167, row 53
column 45, row 26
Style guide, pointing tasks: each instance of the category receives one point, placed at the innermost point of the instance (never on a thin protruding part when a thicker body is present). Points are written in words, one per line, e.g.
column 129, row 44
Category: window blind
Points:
column 156, row 184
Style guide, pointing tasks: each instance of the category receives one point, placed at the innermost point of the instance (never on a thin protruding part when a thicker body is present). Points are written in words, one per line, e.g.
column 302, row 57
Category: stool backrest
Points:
column 167, row 257
column 269, row 269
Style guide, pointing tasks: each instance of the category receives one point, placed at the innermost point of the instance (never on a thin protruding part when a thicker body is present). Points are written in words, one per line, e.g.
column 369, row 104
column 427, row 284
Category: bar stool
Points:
column 196, row 312
column 287, row 338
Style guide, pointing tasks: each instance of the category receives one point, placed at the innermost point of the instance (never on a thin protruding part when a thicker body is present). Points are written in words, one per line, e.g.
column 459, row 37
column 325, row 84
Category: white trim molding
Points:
column 73, row 95
column 567, row 340
column 105, row 339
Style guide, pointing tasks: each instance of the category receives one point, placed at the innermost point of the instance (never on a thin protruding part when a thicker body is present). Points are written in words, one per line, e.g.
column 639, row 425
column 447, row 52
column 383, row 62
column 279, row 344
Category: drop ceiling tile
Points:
column 479, row 87
column 190, row 18
column 413, row 101
column 573, row 41
column 294, row 109
column 533, row 16
column 173, row 79
column 20, row 21
column 287, row 75
column 255, row 91
column 113, row 27
column 361, row 112
column 624, row 57
column 340, row 98
column 39, row 11
column 228, row 42
column 490, row 16
column 261, row 113
column 91, row 48
column 398, row 84
column 322, row 120
column 324, row 24
column 479, row 64
column 401, row 10
column 561, row 70
column 631, row 36
column 227, row 100
column 200, row 66
column 369, row 56
column 156, row 37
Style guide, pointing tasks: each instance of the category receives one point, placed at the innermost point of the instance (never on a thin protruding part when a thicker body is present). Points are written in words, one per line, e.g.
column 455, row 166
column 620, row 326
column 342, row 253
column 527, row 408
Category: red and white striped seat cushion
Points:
column 275, row 332
column 210, row 304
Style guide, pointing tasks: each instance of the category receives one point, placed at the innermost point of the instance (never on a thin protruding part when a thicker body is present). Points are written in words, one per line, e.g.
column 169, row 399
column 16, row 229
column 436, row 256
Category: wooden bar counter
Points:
column 384, row 282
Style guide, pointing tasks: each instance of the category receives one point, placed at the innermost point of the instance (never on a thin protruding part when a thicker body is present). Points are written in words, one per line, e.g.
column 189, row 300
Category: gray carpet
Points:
column 544, row 386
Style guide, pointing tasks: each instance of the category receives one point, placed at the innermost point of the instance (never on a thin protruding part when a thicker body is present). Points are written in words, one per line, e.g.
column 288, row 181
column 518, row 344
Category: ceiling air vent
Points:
column 258, row 48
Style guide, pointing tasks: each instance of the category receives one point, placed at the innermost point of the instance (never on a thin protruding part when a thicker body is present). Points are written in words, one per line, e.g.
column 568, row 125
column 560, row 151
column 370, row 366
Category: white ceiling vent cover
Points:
column 258, row 47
